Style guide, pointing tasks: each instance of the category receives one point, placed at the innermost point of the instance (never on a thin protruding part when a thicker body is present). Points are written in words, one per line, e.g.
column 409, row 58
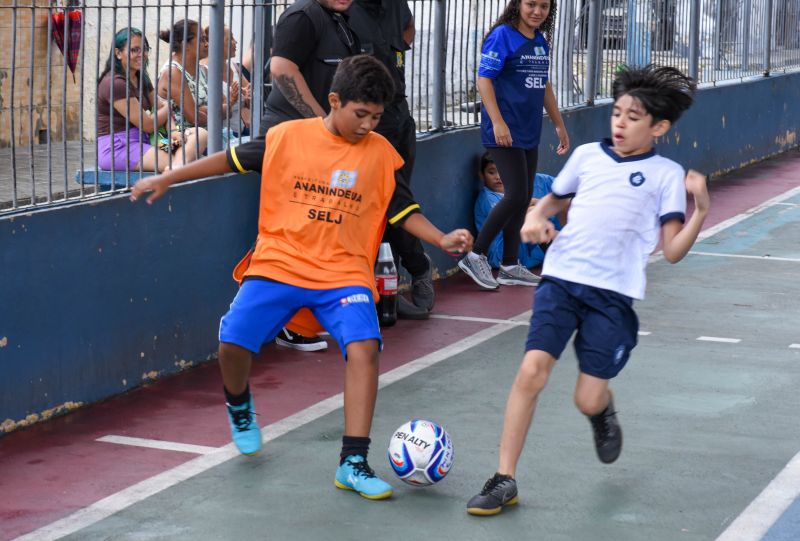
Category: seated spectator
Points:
column 181, row 79
column 235, row 91
column 124, row 122
column 530, row 255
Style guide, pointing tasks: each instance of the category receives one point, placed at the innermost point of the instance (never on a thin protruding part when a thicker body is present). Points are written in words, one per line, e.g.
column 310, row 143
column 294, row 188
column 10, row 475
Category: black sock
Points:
column 237, row 400
column 354, row 445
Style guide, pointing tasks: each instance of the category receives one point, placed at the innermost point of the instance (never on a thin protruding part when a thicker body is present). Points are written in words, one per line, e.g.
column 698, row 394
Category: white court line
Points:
column 718, row 339
column 730, row 222
column 479, row 319
column 159, row 444
column 644, row 333
column 794, row 346
column 767, row 508
column 144, row 489
column 742, row 256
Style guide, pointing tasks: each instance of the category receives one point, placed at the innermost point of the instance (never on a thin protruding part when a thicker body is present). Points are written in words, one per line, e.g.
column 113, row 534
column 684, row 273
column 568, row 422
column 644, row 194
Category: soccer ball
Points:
column 421, row 453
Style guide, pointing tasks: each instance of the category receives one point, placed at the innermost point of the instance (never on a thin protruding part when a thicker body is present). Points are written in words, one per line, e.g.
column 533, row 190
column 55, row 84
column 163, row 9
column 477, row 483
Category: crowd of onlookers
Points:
column 147, row 126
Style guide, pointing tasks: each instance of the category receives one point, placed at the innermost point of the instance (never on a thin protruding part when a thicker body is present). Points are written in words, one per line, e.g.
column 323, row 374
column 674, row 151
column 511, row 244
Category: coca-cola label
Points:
column 387, row 285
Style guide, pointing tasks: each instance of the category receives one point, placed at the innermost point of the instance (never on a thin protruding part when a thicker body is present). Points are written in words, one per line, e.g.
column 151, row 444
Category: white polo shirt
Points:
column 615, row 218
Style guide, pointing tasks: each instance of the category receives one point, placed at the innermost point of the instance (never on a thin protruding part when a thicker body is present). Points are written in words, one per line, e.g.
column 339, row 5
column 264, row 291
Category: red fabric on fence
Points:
column 69, row 22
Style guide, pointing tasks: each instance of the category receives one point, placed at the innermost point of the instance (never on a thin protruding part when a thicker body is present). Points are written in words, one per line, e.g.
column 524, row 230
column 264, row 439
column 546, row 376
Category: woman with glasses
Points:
column 128, row 110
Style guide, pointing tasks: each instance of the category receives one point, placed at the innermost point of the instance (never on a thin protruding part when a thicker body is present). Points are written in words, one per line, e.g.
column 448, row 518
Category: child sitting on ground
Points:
column 530, row 255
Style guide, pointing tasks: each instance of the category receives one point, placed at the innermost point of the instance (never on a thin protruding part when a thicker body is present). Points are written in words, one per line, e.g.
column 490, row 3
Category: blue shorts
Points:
column 606, row 323
column 262, row 307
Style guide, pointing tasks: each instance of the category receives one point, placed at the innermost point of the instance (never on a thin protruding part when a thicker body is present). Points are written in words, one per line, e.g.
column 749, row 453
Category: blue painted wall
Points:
column 98, row 298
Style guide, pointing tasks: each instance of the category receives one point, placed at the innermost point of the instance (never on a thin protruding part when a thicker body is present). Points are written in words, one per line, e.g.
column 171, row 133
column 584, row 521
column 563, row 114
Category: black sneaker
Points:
column 293, row 340
column 422, row 288
column 607, row 433
column 498, row 492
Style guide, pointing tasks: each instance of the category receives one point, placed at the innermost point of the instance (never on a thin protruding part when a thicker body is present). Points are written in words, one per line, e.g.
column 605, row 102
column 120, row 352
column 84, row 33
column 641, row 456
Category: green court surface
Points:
column 707, row 423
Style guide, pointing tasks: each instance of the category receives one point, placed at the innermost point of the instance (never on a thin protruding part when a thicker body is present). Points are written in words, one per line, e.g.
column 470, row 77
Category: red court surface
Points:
column 56, row 468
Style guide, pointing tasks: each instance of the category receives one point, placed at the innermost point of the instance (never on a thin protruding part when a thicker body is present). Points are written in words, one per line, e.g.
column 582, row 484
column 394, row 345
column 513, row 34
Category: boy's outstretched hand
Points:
column 537, row 230
column 696, row 185
column 458, row 241
column 157, row 186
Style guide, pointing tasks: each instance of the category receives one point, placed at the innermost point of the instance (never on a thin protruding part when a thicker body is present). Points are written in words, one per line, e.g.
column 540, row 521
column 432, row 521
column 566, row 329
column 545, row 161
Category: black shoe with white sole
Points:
column 299, row 342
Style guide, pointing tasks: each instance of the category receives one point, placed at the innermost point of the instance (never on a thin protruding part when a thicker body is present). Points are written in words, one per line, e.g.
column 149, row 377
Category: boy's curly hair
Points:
column 665, row 92
column 363, row 79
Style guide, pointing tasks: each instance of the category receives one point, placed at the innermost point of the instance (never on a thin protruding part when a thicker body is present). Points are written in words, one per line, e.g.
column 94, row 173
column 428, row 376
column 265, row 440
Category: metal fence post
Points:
column 439, row 60
column 717, row 35
column 768, row 38
column 263, row 25
column 694, row 40
column 746, row 35
column 594, row 50
column 215, row 61
column 566, row 40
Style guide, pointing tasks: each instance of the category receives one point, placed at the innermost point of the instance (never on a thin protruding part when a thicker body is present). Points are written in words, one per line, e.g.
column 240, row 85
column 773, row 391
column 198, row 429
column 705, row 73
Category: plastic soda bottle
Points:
column 386, row 282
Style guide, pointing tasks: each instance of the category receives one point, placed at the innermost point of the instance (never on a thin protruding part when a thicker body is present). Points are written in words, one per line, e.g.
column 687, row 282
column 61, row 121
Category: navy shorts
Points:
column 262, row 307
column 606, row 323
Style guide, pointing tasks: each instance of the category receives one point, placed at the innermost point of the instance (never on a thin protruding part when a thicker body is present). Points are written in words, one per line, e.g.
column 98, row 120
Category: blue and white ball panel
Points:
column 420, row 452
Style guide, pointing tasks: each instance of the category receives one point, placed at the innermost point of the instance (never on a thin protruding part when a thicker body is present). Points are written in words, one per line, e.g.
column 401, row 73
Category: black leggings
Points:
column 517, row 168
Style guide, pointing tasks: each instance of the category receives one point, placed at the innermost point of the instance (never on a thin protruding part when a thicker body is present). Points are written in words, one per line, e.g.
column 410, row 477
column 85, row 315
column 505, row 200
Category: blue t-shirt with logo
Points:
column 519, row 68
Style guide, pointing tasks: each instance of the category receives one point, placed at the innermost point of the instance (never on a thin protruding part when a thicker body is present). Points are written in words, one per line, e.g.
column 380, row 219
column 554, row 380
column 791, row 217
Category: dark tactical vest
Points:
column 332, row 47
column 378, row 26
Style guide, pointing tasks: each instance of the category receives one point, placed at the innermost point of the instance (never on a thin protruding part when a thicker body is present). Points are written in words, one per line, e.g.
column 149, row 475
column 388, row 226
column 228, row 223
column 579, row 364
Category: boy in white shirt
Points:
column 623, row 195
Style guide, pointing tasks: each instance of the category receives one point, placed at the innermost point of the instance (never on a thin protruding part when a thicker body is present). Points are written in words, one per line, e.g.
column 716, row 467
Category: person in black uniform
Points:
column 311, row 39
column 385, row 29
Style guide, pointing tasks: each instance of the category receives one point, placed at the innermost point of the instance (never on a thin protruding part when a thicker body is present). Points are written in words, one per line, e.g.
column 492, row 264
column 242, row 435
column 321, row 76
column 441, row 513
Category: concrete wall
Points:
column 98, row 298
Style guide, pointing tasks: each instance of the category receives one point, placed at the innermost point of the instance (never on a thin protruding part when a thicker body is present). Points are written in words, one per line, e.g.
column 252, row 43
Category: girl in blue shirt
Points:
column 513, row 80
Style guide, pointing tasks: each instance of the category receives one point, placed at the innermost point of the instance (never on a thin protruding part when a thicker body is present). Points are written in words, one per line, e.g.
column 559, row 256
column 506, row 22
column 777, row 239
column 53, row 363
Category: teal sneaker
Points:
column 356, row 475
column 244, row 428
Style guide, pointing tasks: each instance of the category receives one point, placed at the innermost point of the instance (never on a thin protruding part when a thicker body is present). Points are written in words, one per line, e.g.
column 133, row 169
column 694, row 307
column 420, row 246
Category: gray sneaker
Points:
column 498, row 492
column 479, row 270
column 422, row 288
column 517, row 276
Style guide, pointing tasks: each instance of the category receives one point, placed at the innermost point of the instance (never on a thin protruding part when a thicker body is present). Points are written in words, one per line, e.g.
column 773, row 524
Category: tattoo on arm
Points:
column 288, row 88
